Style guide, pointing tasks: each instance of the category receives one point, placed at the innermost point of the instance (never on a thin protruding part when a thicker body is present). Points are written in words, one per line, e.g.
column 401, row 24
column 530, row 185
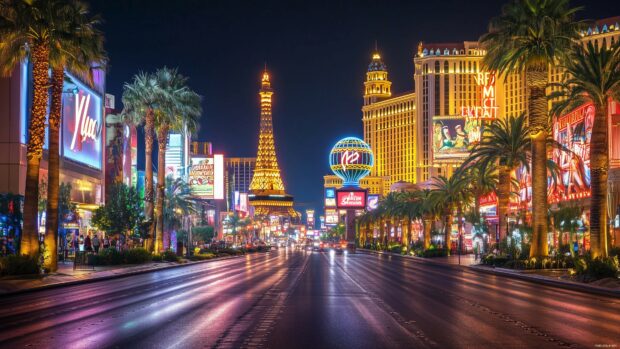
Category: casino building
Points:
column 82, row 135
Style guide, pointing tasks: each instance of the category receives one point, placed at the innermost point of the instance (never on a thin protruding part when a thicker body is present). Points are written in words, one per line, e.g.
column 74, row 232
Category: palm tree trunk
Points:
column 599, row 165
column 406, row 235
column 53, row 173
column 381, row 232
column 459, row 217
column 149, row 126
column 447, row 231
column 36, row 137
column 427, row 223
column 536, row 80
column 503, row 199
column 162, row 139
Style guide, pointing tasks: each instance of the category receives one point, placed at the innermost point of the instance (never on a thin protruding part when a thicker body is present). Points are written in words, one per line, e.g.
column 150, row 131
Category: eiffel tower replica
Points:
column 267, row 193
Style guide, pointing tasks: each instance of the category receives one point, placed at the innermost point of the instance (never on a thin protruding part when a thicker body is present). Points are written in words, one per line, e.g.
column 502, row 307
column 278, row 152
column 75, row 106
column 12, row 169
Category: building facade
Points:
column 389, row 126
column 238, row 177
column 82, row 142
column 177, row 158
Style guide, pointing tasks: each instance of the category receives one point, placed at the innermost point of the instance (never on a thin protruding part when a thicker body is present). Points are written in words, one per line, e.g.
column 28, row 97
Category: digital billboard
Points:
column 373, row 202
column 82, row 124
column 330, row 197
column 351, row 199
column 206, row 177
column 574, row 131
column 453, row 137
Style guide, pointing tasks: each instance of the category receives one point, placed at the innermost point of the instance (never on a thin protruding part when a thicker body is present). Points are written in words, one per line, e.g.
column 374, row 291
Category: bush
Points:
column 136, row 256
column 614, row 251
column 434, row 252
column 107, row 256
column 202, row 256
column 396, row 249
column 169, row 256
column 156, row 258
column 591, row 269
column 19, row 265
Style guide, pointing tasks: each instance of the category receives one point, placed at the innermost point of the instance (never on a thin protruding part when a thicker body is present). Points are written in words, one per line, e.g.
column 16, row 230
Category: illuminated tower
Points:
column 377, row 86
column 267, row 193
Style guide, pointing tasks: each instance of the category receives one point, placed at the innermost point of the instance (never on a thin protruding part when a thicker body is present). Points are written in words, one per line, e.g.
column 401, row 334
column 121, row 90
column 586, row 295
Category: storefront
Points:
column 81, row 143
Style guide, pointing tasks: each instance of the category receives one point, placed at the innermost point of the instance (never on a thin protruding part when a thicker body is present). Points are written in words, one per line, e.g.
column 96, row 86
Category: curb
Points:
column 109, row 277
column 584, row 288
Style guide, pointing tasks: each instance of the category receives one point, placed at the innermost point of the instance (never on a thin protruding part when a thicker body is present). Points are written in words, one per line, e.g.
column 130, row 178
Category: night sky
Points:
column 317, row 53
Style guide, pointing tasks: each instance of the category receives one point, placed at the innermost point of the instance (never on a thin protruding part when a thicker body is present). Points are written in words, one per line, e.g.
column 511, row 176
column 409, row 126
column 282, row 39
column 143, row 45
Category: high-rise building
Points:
column 177, row 155
column 389, row 126
column 267, row 193
column 239, row 172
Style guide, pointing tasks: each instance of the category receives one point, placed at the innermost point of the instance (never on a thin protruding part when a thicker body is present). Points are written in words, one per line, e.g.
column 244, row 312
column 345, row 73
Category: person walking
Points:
column 96, row 243
column 106, row 242
column 88, row 243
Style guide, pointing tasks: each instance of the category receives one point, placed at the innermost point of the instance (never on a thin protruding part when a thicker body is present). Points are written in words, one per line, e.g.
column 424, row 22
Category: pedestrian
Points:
column 96, row 243
column 81, row 242
column 114, row 243
column 106, row 242
column 88, row 244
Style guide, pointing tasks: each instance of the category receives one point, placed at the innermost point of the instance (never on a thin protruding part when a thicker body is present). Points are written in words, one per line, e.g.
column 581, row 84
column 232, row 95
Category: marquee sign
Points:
column 351, row 159
column 351, row 199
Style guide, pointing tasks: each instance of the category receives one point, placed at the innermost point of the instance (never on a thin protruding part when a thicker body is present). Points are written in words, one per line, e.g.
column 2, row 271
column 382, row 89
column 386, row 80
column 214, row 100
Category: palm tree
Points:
column 27, row 30
column 389, row 213
column 565, row 220
column 506, row 144
column 79, row 46
column 141, row 98
column 429, row 211
column 529, row 36
column 177, row 203
column 483, row 181
column 179, row 110
column 593, row 75
column 449, row 195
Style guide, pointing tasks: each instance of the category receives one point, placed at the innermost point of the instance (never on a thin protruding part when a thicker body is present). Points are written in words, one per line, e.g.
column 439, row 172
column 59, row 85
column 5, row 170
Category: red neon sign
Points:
column 488, row 109
column 351, row 199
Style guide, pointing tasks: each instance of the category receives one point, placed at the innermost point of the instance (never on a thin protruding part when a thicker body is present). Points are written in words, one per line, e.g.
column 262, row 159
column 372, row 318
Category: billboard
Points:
column 82, row 122
column 373, row 202
column 331, row 217
column 206, row 177
column 453, row 137
column 351, row 199
column 330, row 197
column 574, row 131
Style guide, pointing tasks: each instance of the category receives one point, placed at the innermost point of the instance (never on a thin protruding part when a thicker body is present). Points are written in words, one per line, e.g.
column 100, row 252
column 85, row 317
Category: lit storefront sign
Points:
column 82, row 125
column 351, row 199
column 351, row 159
column 330, row 197
column 206, row 177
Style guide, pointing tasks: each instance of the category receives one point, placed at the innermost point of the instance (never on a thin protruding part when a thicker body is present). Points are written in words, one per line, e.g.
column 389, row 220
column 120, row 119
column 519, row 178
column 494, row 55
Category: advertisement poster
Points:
column 453, row 137
column 82, row 125
column 202, row 177
column 331, row 217
column 330, row 197
column 573, row 131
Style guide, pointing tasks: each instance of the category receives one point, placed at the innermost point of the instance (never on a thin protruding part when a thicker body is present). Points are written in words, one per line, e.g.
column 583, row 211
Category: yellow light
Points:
column 376, row 56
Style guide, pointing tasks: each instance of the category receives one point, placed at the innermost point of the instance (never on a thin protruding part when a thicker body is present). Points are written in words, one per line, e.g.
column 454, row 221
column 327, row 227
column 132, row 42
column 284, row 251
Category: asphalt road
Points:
column 289, row 299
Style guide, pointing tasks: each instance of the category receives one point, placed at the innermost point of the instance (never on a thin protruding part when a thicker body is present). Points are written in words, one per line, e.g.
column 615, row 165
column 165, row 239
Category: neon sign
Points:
column 87, row 127
column 349, row 157
column 351, row 199
column 488, row 109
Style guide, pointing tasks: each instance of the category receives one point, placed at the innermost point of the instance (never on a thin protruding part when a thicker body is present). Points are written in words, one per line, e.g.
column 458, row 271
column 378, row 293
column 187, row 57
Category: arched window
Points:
column 445, row 67
column 604, row 46
column 436, row 67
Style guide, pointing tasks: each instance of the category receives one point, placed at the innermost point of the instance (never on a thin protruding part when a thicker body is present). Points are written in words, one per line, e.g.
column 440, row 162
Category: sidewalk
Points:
column 468, row 262
column 67, row 276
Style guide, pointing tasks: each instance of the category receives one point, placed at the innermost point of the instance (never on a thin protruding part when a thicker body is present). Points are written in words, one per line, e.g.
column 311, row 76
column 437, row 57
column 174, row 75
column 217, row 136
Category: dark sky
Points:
column 317, row 53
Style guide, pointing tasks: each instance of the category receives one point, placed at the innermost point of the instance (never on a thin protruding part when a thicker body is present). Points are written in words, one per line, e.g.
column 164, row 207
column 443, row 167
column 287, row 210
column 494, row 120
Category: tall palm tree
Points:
column 27, row 30
column 483, row 181
column 529, row 36
column 506, row 144
column 141, row 98
column 593, row 75
column 78, row 48
column 449, row 195
column 429, row 211
column 390, row 213
column 178, row 111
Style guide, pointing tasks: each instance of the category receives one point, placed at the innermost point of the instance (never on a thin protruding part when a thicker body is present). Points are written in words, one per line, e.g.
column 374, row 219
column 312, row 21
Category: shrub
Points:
column 396, row 249
column 169, row 256
column 156, row 258
column 591, row 269
column 107, row 256
column 435, row 252
column 136, row 256
column 19, row 265
column 201, row 256
column 614, row 251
